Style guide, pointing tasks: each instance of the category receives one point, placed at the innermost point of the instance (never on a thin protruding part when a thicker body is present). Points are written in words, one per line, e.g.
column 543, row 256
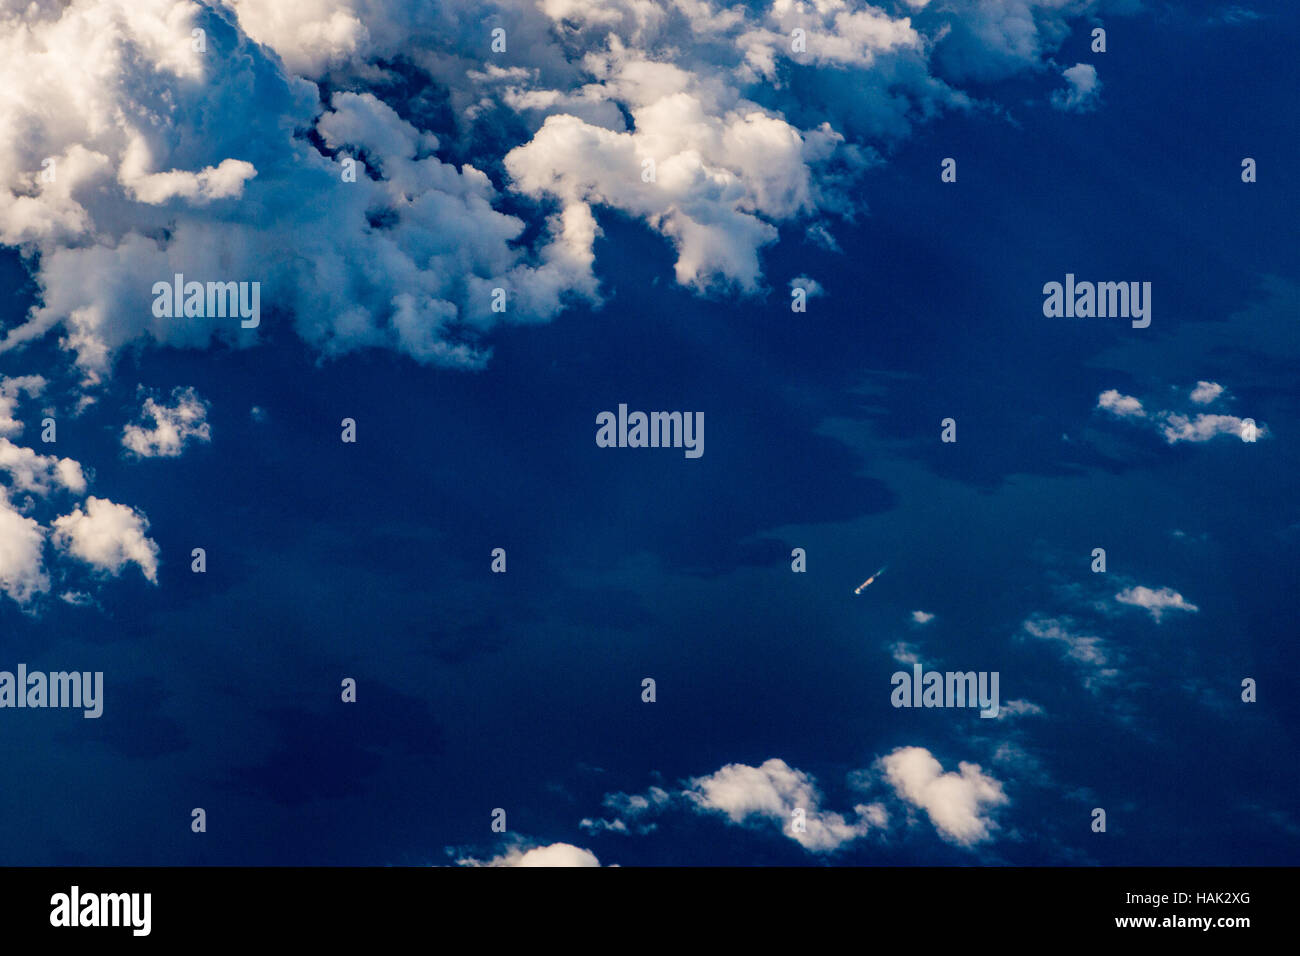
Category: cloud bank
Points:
column 251, row 141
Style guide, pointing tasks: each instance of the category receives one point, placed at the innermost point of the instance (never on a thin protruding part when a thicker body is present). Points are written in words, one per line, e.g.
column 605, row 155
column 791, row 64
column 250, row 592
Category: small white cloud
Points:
column 557, row 854
column 1124, row 406
column 772, row 792
column 173, row 426
column 608, row 826
column 819, row 235
column 11, row 390
column 957, row 803
column 636, row 804
column 1206, row 392
column 810, row 286
column 922, row 617
column 1083, row 93
column 1155, row 602
column 107, row 536
column 224, row 181
column 1019, row 708
column 905, row 653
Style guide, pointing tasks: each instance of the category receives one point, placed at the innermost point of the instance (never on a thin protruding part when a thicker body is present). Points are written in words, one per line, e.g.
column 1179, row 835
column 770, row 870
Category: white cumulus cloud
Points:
column 1157, row 603
column 107, row 536
column 1122, row 405
column 957, row 803
column 557, row 854
column 1206, row 392
column 1083, row 90
column 165, row 161
column 772, row 792
column 41, row 474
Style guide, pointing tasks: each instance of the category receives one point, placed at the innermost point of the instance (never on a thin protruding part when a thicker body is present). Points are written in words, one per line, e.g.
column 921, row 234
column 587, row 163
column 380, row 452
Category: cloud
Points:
column 556, row 854
column 600, row 824
column 41, row 474
column 11, row 390
column 22, row 540
column 107, row 536
column 922, row 617
column 1123, row 406
column 1157, row 603
column 636, row 804
column 225, row 181
column 1086, row 650
column 310, row 35
column 1019, row 708
column 142, row 157
column 714, row 184
column 810, row 286
column 1083, row 93
column 1176, row 427
column 905, row 653
column 173, row 426
column 718, row 151
column 634, row 807
column 166, row 160
column 990, row 40
column 104, row 535
column 957, row 803
column 1206, row 392
column 1234, row 15
column 772, row 792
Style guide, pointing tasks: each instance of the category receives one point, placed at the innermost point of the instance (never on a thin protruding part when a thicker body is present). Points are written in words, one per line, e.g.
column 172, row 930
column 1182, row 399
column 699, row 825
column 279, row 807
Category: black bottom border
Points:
column 979, row 905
